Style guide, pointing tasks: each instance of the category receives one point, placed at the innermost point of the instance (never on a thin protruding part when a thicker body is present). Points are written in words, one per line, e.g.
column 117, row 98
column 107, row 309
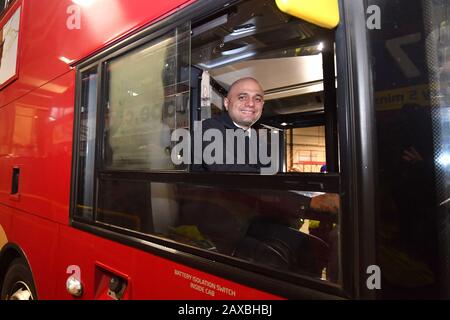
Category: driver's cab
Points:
column 294, row 63
column 261, row 222
column 291, row 59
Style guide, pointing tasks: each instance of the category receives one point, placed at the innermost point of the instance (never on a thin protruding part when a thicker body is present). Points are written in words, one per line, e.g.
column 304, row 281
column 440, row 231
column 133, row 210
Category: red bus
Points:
column 94, row 203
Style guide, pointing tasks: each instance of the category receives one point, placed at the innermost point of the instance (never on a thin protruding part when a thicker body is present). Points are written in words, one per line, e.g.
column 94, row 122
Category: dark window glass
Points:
column 265, row 227
column 4, row 5
column 148, row 99
column 126, row 204
column 410, row 60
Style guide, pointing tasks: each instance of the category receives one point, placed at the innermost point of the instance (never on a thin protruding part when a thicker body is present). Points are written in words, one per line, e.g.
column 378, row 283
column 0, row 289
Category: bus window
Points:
column 284, row 55
column 411, row 100
column 284, row 223
column 267, row 227
column 148, row 92
column 248, row 42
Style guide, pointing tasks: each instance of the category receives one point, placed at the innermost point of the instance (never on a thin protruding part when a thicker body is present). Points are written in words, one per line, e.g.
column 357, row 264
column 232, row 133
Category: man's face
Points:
column 244, row 102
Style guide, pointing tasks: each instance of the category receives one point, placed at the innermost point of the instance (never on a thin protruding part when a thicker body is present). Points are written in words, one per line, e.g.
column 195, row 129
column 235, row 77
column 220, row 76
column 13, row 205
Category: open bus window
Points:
column 153, row 90
column 301, row 117
column 266, row 226
column 284, row 55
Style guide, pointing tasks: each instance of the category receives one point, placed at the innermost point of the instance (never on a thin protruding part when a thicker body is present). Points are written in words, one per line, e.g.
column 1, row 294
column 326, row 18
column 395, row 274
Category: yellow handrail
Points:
column 324, row 13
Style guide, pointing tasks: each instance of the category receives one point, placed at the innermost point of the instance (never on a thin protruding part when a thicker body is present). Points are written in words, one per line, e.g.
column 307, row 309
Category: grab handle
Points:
column 15, row 181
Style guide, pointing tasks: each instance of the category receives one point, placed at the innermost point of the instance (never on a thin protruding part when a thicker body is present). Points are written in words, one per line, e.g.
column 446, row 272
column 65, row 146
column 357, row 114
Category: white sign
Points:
column 9, row 42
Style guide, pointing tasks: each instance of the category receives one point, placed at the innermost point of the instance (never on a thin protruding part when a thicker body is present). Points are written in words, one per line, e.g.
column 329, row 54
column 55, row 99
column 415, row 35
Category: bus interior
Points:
column 286, row 56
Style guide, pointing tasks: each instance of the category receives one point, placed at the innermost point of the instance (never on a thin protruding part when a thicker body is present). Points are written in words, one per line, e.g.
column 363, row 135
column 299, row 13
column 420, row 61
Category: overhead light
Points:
column 132, row 93
column 239, row 30
column 235, row 48
column 221, row 62
column 284, row 124
column 444, row 160
column 66, row 60
column 320, row 46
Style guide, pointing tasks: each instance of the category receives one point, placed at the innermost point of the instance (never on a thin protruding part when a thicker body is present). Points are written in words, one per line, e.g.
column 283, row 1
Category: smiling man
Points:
column 244, row 102
column 244, row 105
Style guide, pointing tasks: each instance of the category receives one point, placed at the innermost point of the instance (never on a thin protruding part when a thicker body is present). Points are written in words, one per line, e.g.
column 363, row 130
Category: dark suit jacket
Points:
column 222, row 123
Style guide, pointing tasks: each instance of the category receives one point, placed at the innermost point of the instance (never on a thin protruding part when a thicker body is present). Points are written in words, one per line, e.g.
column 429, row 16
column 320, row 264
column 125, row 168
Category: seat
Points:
column 281, row 247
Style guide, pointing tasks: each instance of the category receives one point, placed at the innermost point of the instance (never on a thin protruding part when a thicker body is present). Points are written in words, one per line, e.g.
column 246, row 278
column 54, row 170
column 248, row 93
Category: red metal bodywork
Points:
column 36, row 132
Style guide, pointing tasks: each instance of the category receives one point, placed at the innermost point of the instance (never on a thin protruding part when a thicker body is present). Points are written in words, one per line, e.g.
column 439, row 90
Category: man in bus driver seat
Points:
column 244, row 106
column 269, row 226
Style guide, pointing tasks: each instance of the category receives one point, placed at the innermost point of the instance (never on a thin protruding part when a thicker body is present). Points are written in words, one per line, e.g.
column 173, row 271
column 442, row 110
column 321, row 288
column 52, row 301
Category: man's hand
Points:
column 328, row 202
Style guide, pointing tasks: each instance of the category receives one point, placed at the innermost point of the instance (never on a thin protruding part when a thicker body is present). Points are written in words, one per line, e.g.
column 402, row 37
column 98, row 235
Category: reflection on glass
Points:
column 148, row 99
column 411, row 108
column 265, row 227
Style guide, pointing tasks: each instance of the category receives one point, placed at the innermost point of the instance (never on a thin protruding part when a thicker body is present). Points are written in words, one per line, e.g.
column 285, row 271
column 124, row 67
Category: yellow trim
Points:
column 324, row 13
column 3, row 238
column 396, row 98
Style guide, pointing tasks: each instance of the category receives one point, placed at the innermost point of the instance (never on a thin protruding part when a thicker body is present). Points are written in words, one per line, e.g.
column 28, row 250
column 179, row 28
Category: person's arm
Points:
column 328, row 202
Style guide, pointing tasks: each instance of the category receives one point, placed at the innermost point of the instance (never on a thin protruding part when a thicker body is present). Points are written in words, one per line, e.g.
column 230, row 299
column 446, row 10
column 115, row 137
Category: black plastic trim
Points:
column 303, row 182
column 357, row 129
column 330, row 107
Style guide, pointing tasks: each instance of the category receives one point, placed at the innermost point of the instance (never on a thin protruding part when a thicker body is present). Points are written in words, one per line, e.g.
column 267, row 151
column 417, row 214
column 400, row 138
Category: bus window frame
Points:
column 350, row 84
column 356, row 118
column 7, row 6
